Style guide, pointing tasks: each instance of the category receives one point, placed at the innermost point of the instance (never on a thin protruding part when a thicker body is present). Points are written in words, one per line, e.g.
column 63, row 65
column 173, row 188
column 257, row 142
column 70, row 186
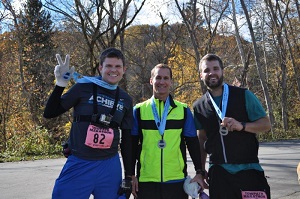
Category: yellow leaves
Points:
column 186, row 86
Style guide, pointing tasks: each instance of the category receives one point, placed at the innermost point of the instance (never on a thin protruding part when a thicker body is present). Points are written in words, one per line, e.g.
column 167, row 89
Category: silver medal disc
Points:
column 161, row 144
column 223, row 130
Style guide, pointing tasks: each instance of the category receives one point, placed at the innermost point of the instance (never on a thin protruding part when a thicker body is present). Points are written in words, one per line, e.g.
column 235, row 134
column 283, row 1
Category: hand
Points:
column 66, row 150
column 231, row 124
column 125, row 187
column 200, row 180
column 135, row 186
column 62, row 71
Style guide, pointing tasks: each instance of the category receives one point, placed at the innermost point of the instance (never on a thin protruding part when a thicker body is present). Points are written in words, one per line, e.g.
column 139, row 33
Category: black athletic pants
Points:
column 155, row 190
column 224, row 185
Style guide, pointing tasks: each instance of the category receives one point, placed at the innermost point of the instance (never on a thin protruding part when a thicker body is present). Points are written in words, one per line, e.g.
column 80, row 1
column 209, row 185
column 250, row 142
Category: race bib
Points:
column 254, row 195
column 98, row 137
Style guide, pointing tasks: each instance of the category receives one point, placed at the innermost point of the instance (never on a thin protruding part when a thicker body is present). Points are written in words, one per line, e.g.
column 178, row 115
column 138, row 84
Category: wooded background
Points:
column 263, row 57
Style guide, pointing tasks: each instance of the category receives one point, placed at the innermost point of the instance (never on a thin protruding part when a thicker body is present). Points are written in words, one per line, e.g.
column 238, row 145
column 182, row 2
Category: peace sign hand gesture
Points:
column 62, row 71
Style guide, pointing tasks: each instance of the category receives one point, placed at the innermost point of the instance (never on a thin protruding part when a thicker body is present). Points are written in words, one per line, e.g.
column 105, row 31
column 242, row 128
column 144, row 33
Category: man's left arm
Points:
column 258, row 120
column 258, row 126
column 126, row 152
column 126, row 139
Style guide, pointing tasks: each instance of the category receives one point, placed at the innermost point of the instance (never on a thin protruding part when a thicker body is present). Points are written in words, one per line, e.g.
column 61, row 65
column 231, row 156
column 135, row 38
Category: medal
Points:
column 160, row 121
column 161, row 144
column 223, row 130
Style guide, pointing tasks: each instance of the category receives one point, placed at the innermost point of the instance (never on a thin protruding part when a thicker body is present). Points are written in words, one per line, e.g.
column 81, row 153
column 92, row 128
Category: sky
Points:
column 150, row 13
column 17, row 3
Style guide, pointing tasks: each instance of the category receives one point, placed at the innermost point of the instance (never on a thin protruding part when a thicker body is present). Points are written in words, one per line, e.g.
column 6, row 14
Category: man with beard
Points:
column 228, row 120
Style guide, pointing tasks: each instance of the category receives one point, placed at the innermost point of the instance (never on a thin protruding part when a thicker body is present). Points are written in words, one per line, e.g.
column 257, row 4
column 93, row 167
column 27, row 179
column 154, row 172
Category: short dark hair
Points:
column 112, row 53
column 211, row 57
column 161, row 66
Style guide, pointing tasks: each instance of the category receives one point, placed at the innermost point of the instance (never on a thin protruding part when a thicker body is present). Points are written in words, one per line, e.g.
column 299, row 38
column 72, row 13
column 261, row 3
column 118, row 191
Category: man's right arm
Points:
column 53, row 107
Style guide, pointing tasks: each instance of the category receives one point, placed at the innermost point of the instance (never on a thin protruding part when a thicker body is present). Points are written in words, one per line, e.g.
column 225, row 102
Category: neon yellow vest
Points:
column 161, row 165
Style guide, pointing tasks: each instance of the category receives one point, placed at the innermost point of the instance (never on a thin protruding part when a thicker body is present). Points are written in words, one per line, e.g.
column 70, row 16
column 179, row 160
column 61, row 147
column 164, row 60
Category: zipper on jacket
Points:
column 162, row 163
column 162, row 137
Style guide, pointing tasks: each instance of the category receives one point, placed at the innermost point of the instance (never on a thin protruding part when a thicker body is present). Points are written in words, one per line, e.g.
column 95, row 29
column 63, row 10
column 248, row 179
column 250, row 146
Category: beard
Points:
column 214, row 84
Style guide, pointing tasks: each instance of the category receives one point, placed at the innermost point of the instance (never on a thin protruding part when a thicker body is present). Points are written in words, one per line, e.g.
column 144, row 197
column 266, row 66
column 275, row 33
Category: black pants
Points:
column 224, row 185
column 155, row 190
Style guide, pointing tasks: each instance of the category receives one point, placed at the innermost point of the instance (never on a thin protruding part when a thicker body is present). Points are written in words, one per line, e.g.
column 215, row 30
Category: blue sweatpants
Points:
column 80, row 178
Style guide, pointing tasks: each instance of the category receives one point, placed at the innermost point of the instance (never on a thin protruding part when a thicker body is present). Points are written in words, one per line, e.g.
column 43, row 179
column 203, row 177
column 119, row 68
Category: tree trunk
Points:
column 278, row 17
column 259, row 68
column 294, row 54
column 244, row 59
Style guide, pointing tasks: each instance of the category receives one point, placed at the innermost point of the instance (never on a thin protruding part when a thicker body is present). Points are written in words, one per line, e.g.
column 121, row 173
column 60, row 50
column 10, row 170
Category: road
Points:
column 35, row 179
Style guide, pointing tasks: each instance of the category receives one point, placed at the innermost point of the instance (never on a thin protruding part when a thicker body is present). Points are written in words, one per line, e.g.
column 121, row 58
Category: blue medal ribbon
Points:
column 222, row 113
column 223, row 130
column 96, row 80
column 160, row 121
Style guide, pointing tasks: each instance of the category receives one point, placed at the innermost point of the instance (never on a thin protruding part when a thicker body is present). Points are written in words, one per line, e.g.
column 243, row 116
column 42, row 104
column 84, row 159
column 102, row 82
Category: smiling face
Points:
column 161, row 82
column 212, row 74
column 112, row 70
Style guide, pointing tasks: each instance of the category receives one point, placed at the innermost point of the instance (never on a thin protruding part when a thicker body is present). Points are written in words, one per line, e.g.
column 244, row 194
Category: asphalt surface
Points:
column 35, row 179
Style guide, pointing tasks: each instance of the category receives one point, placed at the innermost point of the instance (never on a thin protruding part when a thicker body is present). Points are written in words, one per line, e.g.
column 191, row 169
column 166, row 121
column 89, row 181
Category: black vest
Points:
column 239, row 147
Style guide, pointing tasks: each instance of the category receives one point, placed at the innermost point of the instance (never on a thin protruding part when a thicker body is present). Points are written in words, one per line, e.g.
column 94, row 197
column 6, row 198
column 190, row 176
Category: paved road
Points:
column 35, row 179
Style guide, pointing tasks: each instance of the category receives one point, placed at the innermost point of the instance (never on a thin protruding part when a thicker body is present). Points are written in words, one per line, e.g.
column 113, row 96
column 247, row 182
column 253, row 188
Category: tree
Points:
column 19, row 39
column 278, row 14
column 258, row 64
column 36, row 26
column 147, row 46
column 244, row 58
column 194, row 19
column 293, row 25
column 7, row 103
column 102, row 23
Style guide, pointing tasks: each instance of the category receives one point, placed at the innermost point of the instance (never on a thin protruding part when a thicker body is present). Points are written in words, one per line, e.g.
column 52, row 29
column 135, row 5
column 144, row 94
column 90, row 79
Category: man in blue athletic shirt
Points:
column 228, row 120
column 102, row 114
